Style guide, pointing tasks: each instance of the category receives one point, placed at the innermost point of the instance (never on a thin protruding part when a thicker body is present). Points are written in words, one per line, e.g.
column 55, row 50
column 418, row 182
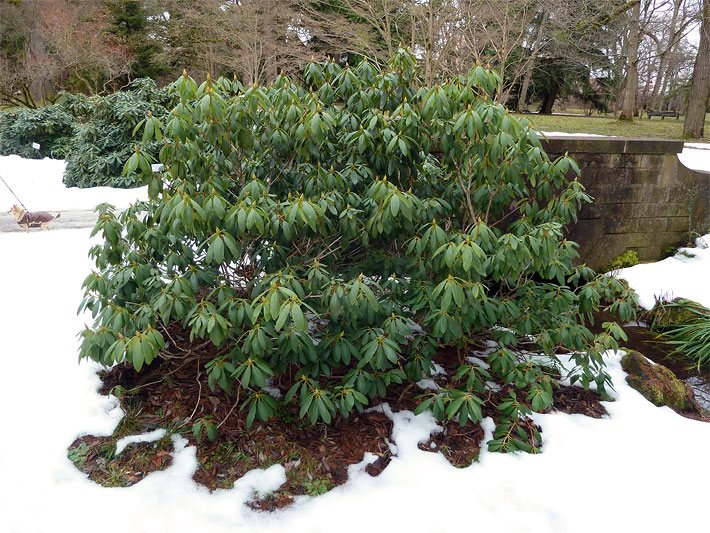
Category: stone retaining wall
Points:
column 645, row 199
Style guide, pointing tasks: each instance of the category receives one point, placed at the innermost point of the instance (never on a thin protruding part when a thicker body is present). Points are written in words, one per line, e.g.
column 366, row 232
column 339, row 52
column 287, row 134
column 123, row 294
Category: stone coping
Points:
column 609, row 145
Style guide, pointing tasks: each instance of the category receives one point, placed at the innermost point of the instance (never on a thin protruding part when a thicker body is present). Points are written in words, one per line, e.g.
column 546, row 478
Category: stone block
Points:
column 641, row 194
column 650, row 161
column 652, row 225
column 670, row 209
column 621, row 225
column 644, row 177
column 652, row 146
column 647, row 253
column 669, row 172
column 680, row 224
column 630, row 160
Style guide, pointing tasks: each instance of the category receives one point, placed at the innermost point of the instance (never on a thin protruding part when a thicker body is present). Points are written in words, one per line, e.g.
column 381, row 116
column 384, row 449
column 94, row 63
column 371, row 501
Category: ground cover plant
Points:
column 329, row 238
column 94, row 134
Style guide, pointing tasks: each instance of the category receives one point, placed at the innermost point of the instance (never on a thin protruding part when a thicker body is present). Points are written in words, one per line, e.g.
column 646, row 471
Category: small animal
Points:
column 32, row 219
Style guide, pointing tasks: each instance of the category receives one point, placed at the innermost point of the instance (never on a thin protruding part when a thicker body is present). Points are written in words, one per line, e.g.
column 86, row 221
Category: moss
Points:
column 656, row 383
column 627, row 259
column 679, row 312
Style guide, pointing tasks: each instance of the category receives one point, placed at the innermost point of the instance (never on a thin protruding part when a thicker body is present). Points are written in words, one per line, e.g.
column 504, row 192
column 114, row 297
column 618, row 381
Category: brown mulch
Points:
column 316, row 457
column 460, row 445
column 95, row 456
column 575, row 400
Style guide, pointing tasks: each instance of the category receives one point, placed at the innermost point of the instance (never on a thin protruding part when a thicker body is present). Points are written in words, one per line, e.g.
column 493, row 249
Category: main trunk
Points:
column 632, row 75
column 523, row 96
column 549, row 100
column 693, row 128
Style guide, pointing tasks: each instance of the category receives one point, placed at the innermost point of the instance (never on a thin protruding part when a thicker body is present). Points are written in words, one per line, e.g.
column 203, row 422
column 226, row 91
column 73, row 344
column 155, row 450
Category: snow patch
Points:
column 685, row 275
column 696, row 156
column 150, row 436
column 611, row 467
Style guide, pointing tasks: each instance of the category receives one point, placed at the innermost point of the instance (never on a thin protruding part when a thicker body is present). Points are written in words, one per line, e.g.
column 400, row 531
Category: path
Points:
column 72, row 219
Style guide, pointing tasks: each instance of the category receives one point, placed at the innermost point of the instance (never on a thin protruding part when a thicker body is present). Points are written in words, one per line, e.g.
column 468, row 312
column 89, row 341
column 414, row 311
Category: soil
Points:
column 644, row 341
column 316, row 457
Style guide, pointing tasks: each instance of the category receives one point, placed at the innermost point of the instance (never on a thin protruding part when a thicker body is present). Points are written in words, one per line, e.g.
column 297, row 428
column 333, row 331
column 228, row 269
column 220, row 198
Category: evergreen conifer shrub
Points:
column 332, row 235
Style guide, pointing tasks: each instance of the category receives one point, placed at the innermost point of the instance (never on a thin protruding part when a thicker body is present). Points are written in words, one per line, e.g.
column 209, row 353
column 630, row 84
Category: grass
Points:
column 689, row 336
column 655, row 128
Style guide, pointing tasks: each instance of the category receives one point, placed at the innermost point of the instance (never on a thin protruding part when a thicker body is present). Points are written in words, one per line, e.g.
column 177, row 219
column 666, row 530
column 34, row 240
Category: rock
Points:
column 658, row 384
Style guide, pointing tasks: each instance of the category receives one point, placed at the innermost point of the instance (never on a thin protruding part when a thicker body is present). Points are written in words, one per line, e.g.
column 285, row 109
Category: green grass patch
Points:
column 655, row 128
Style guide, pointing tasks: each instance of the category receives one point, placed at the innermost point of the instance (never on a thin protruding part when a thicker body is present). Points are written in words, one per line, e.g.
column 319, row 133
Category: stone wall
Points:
column 645, row 199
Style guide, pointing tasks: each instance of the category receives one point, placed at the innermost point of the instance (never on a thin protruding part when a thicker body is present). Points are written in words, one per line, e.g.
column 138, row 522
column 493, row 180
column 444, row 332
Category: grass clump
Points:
column 686, row 326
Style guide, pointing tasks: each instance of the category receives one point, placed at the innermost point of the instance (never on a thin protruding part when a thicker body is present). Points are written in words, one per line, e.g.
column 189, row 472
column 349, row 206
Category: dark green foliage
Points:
column 561, row 78
column 94, row 134
column 104, row 138
column 51, row 127
column 332, row 236
column 130, row 21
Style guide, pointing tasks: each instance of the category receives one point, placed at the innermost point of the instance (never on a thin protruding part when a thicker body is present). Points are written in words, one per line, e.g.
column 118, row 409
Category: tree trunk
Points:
column 659, row 87
column 632, row 76
column 523, row 96
column 693, row 128
column 549, row 100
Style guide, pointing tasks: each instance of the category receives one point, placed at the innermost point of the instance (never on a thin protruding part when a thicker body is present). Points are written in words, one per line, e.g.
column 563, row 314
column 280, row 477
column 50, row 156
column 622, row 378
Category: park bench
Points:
column 662, row 114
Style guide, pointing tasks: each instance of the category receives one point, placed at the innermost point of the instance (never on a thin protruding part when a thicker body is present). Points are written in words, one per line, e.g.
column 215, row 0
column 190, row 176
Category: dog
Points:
column 32, row 219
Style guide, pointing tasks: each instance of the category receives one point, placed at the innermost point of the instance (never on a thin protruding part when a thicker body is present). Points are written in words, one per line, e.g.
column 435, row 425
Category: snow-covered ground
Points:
column 641, row 469
column 685, row 275
column 38, row 183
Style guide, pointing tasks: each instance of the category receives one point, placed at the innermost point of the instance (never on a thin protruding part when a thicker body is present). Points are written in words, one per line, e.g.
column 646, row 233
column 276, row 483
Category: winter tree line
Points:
column 621, row 56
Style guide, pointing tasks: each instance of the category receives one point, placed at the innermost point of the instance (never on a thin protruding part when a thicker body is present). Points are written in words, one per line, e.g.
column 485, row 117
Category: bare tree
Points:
column 372, row 28
column 632, row 52
column 74, row 46
column 694, row 126
column 495, row 32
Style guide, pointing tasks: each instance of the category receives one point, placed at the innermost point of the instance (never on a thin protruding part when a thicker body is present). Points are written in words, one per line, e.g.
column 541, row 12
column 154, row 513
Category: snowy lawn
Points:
column 641, row 469
column 685, row 275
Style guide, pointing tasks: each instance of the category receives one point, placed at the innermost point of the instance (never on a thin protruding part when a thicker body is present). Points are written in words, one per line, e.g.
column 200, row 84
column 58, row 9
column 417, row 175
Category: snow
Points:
column 685, row 275
column 150, row 436
column 696, row 156
column 38, row 183
column 567, row 134
column 642, row 468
